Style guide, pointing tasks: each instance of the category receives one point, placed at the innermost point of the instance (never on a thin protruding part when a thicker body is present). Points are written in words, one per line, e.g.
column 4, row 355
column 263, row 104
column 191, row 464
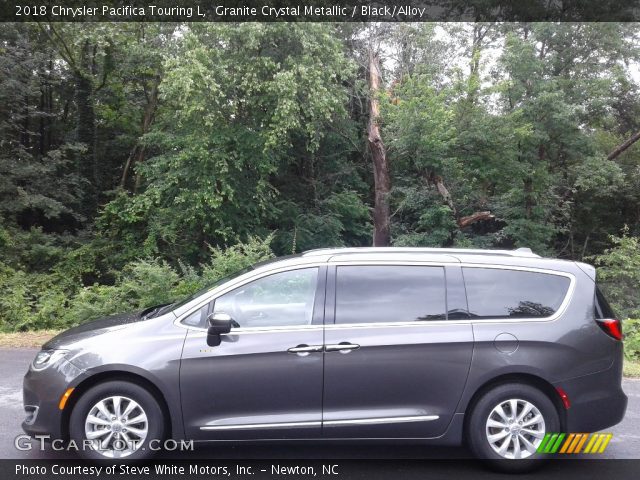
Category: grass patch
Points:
column 631, row 368
column 26, row 339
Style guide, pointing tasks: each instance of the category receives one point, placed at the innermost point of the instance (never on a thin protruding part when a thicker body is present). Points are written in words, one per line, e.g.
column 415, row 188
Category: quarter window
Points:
column 197, row 318
column 389, row 293
column 498, row 293
column 602, row 307
column 281, row 299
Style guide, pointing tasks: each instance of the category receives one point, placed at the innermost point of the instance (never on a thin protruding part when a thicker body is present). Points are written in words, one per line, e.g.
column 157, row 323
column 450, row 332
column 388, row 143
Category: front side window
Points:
column 389, row 293
column 278, row 300
column 498, row 293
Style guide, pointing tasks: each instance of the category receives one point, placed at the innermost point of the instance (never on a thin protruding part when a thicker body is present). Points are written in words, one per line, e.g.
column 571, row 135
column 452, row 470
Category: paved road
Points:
column 14, row 363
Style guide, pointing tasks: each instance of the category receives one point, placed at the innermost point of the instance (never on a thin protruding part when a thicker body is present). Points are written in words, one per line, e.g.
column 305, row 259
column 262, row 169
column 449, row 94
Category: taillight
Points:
column 611, row 327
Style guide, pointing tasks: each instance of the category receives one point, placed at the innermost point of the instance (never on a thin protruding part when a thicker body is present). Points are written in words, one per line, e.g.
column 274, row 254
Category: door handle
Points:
column 304, row 350
column 344, row 347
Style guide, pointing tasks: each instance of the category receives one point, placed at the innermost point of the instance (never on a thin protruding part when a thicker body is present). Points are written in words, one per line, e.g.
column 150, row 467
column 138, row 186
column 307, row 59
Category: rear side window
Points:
column 602, row 307
column 389, row 293
column 498, row 293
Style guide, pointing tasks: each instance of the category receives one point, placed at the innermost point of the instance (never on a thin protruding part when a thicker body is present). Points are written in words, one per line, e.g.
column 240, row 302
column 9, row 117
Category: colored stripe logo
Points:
column 574, row 443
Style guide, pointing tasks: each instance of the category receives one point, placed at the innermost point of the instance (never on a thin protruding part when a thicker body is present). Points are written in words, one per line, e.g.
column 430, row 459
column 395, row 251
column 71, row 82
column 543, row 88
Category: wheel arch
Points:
column 115, row 375
column 524, row 378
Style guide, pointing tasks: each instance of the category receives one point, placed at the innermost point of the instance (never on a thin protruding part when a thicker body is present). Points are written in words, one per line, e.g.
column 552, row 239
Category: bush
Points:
column 29, row 301
column 14, row 301
column 34, row 301
column 619, row 275
column 225, row 262
column 631, row 330
column 143, row 283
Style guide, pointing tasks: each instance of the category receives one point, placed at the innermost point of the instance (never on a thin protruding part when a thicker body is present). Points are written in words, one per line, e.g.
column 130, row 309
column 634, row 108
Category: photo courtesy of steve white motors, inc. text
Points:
column 172, row 469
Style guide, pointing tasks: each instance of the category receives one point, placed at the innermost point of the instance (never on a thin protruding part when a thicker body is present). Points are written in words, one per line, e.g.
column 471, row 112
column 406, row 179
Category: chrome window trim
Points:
column 334, row 423
column 246, row 330
column 415, row 323
column 425, row 323
column 558, row 313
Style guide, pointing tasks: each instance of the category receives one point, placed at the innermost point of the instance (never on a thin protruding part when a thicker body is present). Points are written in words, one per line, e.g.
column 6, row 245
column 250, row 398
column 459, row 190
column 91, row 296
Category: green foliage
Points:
column 133, row 155
column 420, row 125
column 619, row 275
column 142, row 284
column 433, row 228
column 223, row 263
column 14, row 304
column 241, row 99
column 631, row 331
column 37, row 301
column 341, row 219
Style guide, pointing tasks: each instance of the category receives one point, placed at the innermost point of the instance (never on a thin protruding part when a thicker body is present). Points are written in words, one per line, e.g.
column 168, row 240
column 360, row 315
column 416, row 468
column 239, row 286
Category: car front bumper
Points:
column 41, row 392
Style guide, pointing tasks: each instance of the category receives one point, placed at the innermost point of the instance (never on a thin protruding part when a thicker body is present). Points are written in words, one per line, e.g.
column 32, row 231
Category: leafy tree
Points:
column 240, row 99
column 132, row 153
column 619, row 275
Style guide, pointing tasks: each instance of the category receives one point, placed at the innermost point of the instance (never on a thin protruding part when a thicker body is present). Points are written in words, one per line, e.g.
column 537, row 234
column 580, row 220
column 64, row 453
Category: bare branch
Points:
column 624, row 146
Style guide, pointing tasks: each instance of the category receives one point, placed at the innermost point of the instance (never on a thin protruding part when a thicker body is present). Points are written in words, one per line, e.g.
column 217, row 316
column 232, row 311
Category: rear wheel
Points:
column 116, row 420
column 508, row 424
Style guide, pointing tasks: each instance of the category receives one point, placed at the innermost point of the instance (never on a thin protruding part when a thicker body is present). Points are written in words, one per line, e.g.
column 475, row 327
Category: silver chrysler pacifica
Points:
column 494, row 348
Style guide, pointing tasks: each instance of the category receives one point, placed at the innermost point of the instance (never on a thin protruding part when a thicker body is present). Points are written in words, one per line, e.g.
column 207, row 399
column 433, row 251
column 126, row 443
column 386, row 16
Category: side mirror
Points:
column 219, row 323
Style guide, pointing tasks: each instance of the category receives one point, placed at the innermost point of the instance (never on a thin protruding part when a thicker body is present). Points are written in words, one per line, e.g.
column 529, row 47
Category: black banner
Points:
column 319, row 10
column 307, row 469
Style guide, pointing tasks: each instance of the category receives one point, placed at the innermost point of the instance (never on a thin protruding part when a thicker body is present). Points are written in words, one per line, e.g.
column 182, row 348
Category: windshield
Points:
column 173, row 306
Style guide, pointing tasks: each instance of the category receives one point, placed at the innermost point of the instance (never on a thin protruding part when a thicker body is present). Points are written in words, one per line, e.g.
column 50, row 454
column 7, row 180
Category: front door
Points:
column 264, row 380
column 397, row 352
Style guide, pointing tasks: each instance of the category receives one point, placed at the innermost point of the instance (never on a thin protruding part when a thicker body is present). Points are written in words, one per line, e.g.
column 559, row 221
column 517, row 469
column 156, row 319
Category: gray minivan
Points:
column 495, row 348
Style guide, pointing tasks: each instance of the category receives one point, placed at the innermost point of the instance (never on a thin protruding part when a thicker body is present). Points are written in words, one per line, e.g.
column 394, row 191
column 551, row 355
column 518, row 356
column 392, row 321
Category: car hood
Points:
column 92, row 329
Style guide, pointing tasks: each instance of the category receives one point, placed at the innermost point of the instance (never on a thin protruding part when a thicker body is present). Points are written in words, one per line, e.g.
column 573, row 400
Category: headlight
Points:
column 44, row 358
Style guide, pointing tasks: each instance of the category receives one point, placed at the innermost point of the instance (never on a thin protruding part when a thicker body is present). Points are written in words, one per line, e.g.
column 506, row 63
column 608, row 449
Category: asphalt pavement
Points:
column 625, row 443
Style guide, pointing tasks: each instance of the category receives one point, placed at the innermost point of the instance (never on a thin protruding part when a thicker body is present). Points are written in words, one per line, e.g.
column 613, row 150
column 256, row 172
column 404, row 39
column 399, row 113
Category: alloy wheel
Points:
column 116, row 426
column 515, row 428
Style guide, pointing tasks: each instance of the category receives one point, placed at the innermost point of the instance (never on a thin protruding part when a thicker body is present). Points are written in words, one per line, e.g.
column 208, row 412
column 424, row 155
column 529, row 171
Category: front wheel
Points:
column 116, row 420
column 508, row 425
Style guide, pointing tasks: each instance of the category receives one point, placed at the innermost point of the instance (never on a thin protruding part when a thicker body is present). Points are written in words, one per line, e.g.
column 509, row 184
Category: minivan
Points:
column 492, row 348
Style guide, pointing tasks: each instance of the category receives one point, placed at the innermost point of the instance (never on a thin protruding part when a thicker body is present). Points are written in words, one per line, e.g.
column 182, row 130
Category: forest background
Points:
column 141, row 161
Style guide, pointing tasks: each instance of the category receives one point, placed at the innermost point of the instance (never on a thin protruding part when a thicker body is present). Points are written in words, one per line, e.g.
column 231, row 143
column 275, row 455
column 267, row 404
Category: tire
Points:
column 489, row 429
column 95, row 419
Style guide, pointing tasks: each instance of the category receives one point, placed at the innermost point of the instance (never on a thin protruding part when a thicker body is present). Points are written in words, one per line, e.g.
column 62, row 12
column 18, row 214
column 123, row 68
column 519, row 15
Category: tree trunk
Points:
column 41, row 121
column 462, row 222
column 137, row 154
column 85, row 131
column 623, row 146
column 528, row 197
column 475, row 217
column 444, row 192
column 382, row 181
column 26, row 140
column 473, row 83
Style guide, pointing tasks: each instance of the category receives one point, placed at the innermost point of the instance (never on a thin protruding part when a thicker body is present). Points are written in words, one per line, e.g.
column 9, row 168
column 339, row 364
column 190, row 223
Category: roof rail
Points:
column 519, row 252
